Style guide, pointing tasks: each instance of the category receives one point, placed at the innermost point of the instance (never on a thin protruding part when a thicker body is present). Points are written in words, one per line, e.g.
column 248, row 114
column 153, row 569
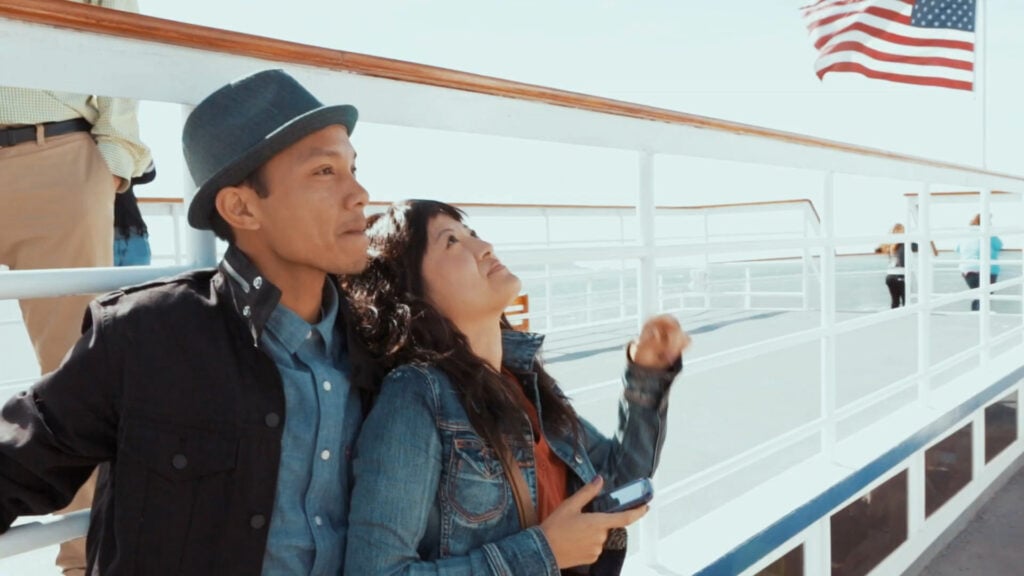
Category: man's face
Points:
column 312, row 217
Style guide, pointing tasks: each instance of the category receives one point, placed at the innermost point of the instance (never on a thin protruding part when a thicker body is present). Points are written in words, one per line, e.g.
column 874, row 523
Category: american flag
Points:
column 926, row 42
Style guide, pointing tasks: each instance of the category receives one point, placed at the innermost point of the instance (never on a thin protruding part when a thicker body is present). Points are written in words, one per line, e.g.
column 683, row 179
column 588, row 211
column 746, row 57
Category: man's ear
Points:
column 237, row 206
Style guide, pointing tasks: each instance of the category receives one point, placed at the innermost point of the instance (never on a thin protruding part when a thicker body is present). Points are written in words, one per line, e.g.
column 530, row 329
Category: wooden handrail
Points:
column 63, row 14
column 157, row 200
column 961, row 193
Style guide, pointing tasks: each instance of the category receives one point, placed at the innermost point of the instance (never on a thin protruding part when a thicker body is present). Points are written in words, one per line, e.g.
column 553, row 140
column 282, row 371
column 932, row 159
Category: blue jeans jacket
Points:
column 431, row 498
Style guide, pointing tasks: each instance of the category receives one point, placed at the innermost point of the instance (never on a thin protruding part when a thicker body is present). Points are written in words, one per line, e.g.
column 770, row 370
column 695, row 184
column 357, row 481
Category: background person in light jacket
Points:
column 969, row 250
column 63, row 160
column 469, row 413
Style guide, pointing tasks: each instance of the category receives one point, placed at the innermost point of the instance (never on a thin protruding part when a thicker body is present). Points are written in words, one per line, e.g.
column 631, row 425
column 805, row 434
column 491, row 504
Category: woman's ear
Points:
column 237, row 206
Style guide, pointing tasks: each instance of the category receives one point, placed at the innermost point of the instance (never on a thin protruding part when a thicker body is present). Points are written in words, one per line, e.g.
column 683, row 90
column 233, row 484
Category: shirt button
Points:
column 579, row 459
column 257, row 282
column 327, row 385
column 257, row 521
column 246, row 311
column 179, row 461
column 325, row 455
column 319, row 521
column 272, row 420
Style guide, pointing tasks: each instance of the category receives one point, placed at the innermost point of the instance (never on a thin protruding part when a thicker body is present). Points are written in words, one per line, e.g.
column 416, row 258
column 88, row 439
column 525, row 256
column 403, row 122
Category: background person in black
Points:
column 131, row 236
column 895, row 280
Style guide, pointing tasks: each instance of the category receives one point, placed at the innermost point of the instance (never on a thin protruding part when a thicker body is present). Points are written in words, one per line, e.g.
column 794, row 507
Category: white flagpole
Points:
column 981, row 74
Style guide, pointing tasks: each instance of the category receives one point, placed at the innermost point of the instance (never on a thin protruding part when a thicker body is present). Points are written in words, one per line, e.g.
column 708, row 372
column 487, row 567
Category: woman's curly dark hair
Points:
column 400, row 327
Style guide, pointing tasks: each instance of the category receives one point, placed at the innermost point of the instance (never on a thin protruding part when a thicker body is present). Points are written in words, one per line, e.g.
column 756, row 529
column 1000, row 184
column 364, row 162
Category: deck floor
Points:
column 990, row 544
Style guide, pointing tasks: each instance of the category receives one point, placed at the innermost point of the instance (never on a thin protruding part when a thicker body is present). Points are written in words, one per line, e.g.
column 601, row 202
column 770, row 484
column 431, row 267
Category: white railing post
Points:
column 909, row 260
column 648, row 529
column 818, row 548
column 589, row 299
column 201, row 245
column 924, row 284
column 707, row 262
column 647, row 279
column 978, row 443
column 828, row 317
column 805, row 279
column 622, row 276
column 985, row 244
column 177, row 211
column 647, row 287
column 548, row 325
column 915, row 493
column 747, row 289
column 622, row 296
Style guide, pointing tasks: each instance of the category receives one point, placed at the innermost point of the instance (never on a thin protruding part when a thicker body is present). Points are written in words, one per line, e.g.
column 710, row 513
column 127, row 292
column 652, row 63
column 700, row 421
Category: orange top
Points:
column 552, row 473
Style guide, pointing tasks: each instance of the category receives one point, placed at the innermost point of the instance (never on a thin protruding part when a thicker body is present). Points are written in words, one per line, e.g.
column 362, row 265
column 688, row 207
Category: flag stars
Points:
column 951, row 14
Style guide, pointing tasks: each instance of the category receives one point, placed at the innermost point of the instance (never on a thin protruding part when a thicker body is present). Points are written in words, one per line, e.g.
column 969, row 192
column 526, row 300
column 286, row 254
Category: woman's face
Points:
column 462, row 278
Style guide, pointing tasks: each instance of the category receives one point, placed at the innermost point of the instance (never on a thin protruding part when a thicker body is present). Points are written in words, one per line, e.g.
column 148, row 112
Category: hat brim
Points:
column 202, row 206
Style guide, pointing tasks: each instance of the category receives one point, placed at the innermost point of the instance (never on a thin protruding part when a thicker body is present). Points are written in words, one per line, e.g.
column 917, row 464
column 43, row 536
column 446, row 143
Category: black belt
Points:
column 14, row 136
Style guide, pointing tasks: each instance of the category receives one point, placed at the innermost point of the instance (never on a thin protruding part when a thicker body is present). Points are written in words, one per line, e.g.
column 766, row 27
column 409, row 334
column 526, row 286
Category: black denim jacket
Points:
column 168, row 384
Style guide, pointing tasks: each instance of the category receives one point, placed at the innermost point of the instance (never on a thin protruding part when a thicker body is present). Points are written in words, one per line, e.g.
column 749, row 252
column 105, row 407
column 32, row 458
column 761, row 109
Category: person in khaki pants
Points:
column 62, row 159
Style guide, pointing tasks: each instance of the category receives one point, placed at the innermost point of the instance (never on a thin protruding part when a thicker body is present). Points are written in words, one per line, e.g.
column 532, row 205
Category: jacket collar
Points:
column 519, row 349
column 292, row 332
column 253, row 297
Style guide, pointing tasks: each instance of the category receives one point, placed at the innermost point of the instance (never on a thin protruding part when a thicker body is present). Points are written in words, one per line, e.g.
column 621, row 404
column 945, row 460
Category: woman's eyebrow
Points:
column 442, row 231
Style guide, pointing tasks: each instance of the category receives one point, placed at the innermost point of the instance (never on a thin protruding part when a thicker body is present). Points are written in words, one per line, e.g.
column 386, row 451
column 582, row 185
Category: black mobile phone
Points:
column 625, row 497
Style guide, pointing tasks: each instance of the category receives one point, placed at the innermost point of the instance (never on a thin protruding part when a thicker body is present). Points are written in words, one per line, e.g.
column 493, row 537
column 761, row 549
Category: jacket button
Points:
column 246, row 311
column 579, row 459
column 257, row 282
column 179, row 461
column 272, row 420
column 257, row 521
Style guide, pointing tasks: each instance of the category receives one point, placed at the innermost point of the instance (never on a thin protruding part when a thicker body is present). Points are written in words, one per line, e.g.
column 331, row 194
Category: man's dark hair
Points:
column 220, row 227
column 399, row 326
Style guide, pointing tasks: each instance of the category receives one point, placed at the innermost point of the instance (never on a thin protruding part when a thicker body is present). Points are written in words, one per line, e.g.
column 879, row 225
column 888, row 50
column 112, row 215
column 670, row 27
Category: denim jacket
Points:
column 430, row 496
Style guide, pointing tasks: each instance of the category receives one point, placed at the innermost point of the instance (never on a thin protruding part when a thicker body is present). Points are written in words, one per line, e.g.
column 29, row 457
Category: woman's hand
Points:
column 661, row 343
column 576, row 537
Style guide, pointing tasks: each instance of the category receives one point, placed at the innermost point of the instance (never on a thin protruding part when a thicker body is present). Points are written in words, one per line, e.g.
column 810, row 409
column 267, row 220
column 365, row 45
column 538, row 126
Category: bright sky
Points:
column 748, row 60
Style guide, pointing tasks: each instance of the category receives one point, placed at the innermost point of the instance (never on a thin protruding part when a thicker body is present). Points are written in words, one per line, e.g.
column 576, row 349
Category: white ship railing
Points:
column 173, row 62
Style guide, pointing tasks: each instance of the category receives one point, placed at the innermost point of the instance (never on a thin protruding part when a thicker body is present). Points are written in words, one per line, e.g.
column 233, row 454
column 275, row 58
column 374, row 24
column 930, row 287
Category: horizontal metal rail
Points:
column 33, row 535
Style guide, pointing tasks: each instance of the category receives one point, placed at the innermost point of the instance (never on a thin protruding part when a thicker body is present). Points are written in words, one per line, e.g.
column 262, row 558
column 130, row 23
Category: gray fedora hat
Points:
column 235, row 130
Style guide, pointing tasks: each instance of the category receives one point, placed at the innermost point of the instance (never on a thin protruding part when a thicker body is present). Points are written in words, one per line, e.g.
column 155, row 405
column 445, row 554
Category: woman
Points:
column 470, row 439
column 969, row 251
column 895, row 279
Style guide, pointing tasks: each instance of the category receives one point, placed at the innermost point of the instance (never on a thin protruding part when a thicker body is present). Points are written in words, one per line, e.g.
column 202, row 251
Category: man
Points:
column 193, row 387
column 62, row 158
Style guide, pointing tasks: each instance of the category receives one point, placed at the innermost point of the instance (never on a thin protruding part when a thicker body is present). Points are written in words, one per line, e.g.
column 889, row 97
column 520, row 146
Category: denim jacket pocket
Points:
column 476, row 484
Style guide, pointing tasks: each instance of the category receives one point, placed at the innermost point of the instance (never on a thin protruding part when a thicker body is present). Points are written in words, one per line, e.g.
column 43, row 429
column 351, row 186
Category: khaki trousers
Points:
column 57, row 211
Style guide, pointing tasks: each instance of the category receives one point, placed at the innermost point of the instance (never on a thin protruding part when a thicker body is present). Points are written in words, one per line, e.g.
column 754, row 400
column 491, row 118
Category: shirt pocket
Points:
column 180, row 454
column 172, row 483
column 476, row 485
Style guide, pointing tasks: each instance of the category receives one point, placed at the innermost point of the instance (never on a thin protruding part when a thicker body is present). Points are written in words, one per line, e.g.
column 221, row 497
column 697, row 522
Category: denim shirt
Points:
column 430, row 497
column 322, row 418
